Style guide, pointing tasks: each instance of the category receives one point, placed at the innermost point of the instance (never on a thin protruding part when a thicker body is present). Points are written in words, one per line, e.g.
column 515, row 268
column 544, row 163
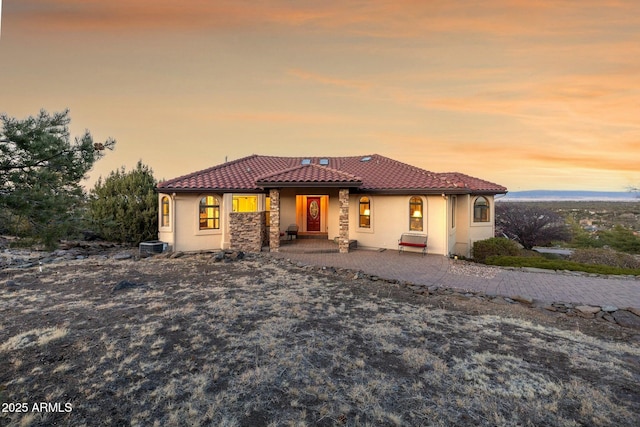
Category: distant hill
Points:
column 560, row 195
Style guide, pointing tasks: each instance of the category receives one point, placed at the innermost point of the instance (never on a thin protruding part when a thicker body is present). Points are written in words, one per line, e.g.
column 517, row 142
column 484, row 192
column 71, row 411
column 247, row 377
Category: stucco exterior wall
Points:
column 287, row 208
column 166, row 234
column 438, row 220
column 451, row 224
column 225, row 209
column 390, row 218
column 185, row 234
column 481, row 230
column 460, row 244
column 467, row 231
column 333, row 216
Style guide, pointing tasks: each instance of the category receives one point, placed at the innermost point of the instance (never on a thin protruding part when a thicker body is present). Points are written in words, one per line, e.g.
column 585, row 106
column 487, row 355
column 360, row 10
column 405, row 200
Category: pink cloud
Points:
column 376, row 18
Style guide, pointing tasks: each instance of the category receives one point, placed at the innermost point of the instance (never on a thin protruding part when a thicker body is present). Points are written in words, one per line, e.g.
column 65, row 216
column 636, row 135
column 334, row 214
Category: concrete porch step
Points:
column 308, row 235
column 309, row 246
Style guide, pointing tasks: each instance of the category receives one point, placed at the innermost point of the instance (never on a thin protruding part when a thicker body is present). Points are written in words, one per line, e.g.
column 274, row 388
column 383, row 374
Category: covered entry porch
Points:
column 313, row 197
column 320, row 216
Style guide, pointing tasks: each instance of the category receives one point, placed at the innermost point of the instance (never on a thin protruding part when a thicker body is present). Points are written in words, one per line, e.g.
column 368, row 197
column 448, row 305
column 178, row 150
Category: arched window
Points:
column 365, row 212
column 164, row 209
column 415, row 214
column 209, row 213
column 481, row 210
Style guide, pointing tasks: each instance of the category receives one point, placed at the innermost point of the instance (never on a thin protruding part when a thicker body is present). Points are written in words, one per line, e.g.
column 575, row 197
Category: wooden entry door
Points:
column 313, row 213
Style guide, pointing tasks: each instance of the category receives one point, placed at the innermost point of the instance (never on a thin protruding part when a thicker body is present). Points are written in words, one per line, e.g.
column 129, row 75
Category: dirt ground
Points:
column 259, row 341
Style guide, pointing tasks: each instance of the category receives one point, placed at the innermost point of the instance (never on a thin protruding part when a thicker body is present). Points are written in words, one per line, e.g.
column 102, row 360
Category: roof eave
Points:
column 356, row 186
column 452, row 191
column 209, row 190
column 489, row 192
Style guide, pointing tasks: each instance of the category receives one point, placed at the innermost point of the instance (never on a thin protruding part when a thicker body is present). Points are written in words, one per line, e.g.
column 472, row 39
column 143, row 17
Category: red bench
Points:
column 412, row 240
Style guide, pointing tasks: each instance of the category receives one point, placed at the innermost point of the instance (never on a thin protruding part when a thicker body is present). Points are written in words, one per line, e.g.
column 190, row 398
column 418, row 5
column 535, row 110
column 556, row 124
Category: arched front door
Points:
column 313, row 213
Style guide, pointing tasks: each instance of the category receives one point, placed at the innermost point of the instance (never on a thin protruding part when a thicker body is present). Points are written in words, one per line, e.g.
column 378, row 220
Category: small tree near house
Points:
column 123, row 207
column 530, row 225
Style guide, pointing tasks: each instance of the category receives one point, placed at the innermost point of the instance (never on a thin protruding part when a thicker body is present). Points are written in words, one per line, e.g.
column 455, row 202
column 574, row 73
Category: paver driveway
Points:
column 444, row 272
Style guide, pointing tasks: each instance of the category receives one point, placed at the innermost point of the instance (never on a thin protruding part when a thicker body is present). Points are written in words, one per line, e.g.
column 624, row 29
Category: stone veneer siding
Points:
column 247, row 230
column 274, row 226
column 343, row 232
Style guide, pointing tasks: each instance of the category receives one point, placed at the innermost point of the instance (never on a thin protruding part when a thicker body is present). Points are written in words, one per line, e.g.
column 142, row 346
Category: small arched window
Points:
column 481, row 210
column 209, row 213
column 415, row 214
column 365, row 212
column 164, row 209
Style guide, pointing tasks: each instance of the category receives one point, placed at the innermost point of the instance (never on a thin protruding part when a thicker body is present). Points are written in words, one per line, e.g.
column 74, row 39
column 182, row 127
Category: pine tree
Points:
column 40, row 174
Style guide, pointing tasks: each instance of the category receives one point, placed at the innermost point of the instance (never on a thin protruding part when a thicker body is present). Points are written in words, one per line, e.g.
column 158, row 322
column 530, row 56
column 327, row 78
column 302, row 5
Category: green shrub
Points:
column 124, row 207
column 557, row 264
column 494, row 246
column 621, row 239
column 618, row 238
column 605, row 257
column 582, row 239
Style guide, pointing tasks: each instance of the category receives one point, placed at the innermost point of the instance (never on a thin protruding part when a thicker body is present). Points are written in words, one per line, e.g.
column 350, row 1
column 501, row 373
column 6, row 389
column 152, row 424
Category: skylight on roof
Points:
column 324, row 162
column 306, row 161
column 365, row 159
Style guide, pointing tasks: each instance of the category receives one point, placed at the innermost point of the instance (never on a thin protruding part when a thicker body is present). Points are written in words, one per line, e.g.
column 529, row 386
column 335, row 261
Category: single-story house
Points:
column 251, row 202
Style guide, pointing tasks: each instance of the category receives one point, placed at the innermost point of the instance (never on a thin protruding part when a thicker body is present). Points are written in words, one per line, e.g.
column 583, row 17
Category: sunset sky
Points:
column 538, row 94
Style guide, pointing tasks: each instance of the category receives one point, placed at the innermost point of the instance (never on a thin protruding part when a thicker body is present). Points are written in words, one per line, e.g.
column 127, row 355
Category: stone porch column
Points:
column 274, row 221
column 343, row 231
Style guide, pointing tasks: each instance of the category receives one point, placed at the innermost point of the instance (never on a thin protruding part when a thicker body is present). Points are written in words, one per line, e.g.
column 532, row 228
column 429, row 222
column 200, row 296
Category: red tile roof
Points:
column 372, row 173
column 310, row 174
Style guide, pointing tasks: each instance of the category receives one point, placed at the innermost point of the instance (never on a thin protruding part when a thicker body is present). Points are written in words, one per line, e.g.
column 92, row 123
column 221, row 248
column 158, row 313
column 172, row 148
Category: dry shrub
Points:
column 605, row 257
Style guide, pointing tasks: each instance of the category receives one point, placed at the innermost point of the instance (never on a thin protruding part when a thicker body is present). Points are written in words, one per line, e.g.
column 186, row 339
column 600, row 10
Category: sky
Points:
column 528, row 94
